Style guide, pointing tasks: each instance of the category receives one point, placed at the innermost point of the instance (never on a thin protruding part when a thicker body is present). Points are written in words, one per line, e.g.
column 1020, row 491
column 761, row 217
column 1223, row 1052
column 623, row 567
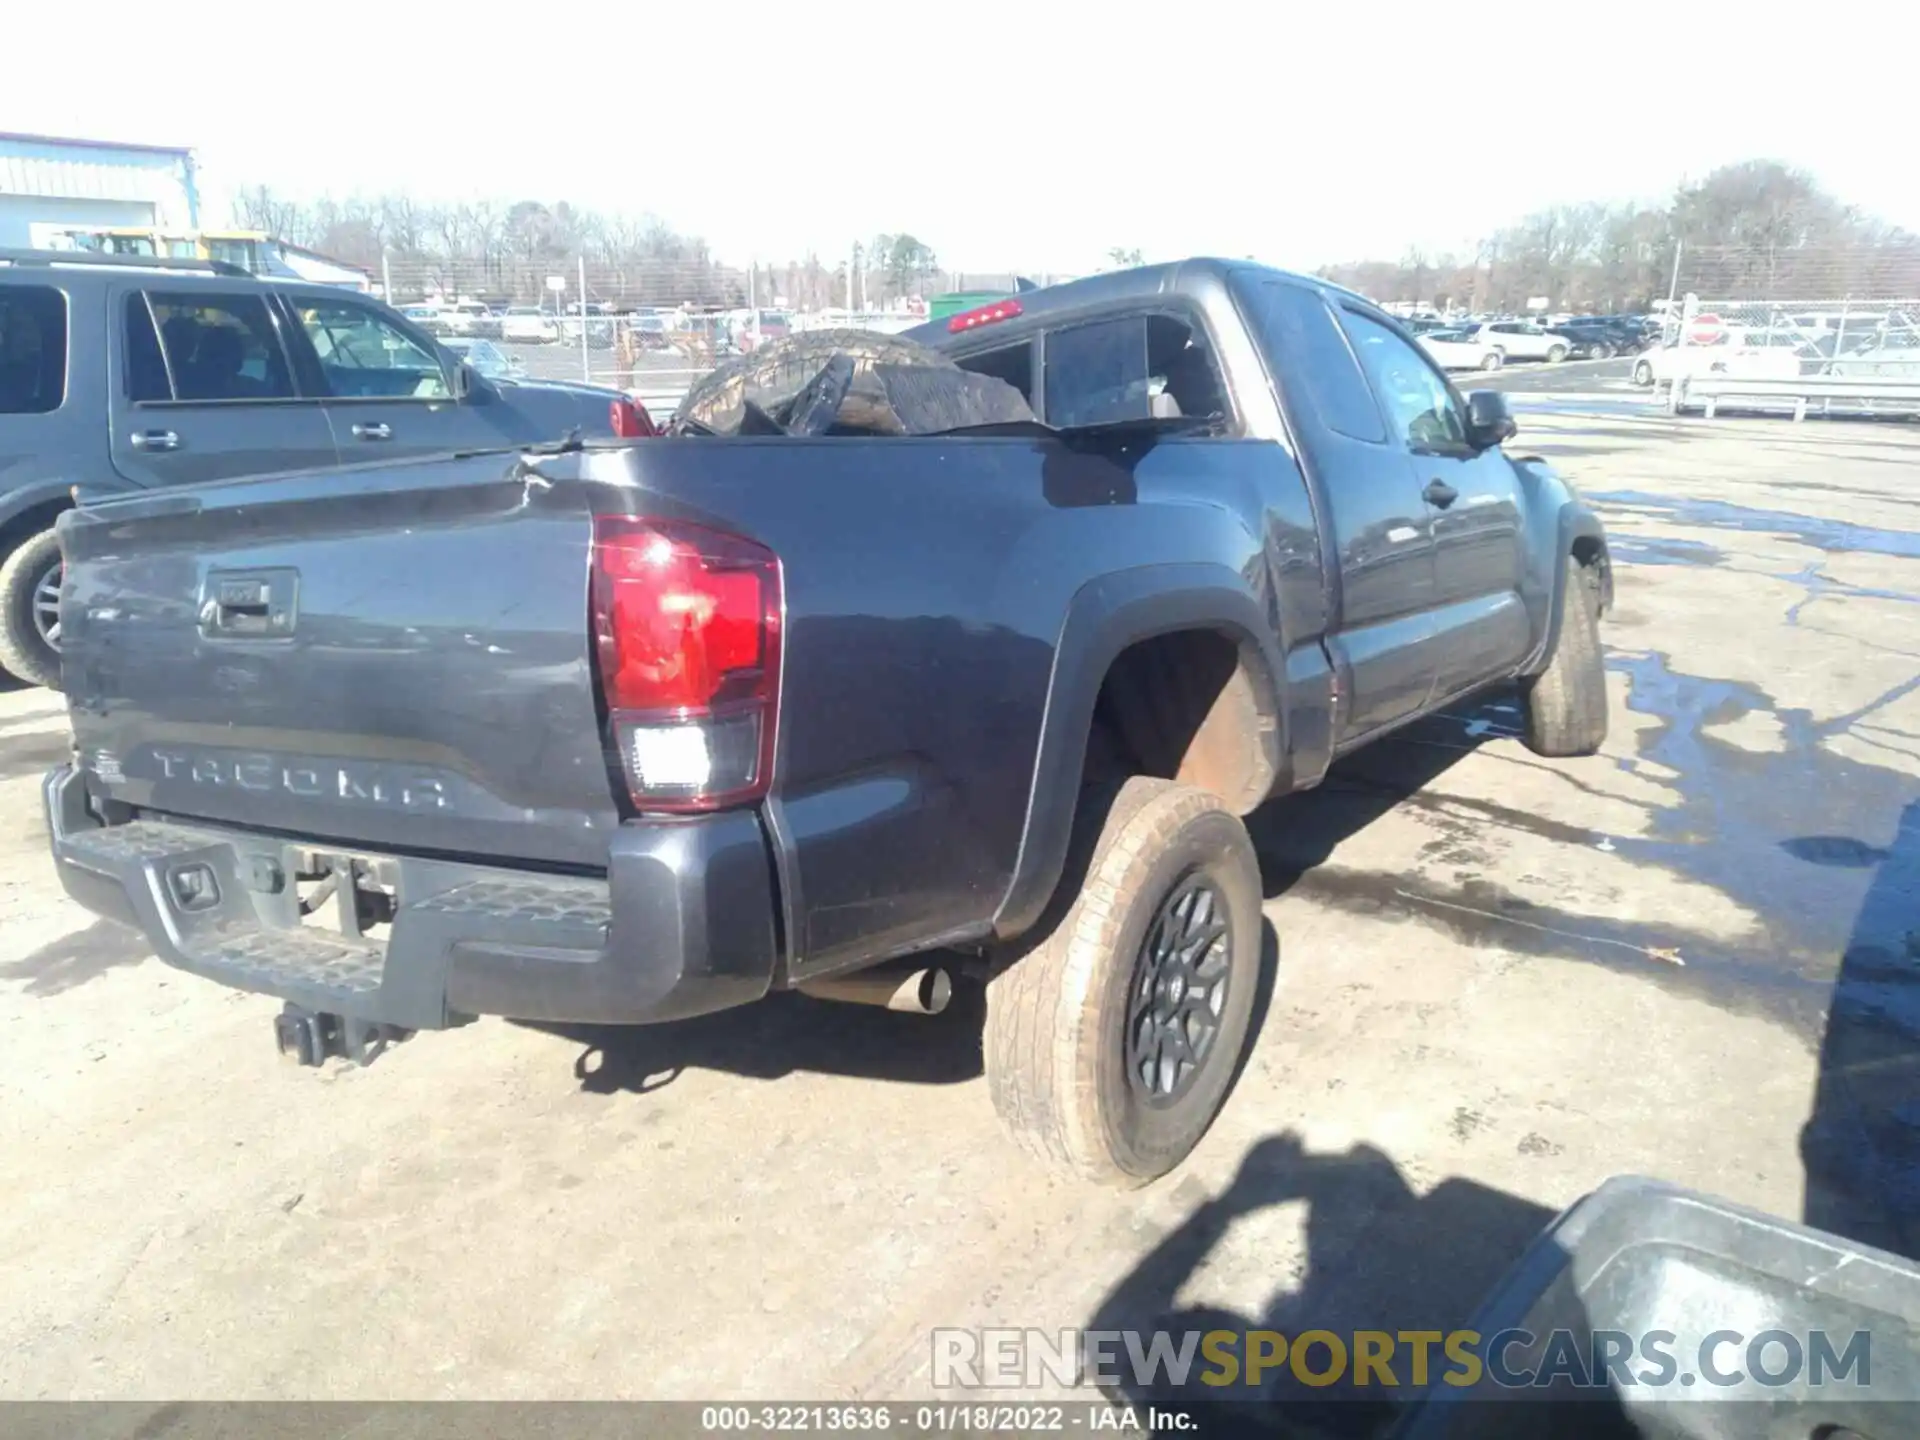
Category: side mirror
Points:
column 465, row 381
column 1489, row 422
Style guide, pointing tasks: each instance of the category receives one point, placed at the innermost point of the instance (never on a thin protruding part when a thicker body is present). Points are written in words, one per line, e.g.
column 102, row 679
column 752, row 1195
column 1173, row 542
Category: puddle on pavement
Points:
column 1663, row 550
column 1838, row 536
column 1824, row 850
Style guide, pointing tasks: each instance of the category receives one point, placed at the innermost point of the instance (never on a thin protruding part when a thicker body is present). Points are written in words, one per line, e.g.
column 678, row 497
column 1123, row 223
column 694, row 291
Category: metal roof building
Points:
column 45, row 179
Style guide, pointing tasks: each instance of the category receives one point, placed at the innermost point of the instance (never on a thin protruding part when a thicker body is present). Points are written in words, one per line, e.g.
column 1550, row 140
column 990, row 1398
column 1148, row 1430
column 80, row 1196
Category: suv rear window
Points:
column 33, row 349
column 216, row 347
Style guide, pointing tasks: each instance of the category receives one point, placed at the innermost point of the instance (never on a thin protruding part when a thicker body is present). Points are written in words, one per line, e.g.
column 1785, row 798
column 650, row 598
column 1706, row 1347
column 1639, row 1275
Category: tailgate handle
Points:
column 252, row 602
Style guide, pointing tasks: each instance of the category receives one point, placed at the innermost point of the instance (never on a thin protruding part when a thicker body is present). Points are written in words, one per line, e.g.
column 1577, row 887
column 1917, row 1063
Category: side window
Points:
column 215, row 347
column 1097, row 374
column 1011, row 363
column 1419, row 406
column 33, row 349
column 1300, row 335
column 365, row 356
column 1131, row 368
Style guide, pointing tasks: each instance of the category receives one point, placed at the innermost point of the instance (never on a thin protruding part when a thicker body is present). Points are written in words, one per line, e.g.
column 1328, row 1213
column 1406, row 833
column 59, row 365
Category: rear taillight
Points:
column 630, row 420
column 686, row 628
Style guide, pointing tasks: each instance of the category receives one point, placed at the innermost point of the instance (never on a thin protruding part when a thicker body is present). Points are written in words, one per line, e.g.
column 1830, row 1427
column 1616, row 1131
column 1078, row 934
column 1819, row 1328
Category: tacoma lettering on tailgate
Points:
column 357, row 784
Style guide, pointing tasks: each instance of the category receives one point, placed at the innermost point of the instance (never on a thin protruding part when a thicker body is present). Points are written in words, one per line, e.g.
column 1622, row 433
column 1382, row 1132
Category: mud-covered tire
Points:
column 1059, row 1018
column 24, row 651
column 1566, row 704
column 772, row 375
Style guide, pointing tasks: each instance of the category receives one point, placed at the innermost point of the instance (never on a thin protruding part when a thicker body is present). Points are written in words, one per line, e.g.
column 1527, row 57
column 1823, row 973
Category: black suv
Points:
column 122, row 373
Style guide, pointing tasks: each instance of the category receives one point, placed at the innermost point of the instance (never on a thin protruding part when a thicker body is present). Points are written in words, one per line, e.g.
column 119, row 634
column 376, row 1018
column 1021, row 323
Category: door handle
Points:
column 373, row 432
column 155, row 440
column 1439, row 494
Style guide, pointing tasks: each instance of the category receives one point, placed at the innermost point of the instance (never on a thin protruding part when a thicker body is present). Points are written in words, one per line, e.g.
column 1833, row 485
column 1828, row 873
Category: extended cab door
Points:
column 202, row 387
column 1472, row 498
column 1380, row 529
column 388, row 391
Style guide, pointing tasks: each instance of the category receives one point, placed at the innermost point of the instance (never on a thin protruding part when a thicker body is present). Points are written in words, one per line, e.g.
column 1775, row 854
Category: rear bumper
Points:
column 682, row 924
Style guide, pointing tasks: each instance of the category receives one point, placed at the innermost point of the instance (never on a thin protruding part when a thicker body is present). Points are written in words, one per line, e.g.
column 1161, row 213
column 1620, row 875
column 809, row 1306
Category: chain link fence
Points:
column 650, row 327
column 1776, row 311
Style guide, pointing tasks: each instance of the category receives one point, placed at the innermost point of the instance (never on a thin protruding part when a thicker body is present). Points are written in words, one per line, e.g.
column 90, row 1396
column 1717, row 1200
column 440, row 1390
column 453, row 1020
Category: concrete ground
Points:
column 1500, row 981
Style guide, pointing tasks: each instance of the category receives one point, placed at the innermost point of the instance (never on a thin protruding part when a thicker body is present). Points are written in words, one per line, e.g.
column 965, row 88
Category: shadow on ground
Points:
column 1378, row 1257
column 74, row 959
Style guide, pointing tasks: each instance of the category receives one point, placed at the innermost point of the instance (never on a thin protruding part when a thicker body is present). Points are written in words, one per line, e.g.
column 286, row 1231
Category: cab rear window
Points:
column 33, row 349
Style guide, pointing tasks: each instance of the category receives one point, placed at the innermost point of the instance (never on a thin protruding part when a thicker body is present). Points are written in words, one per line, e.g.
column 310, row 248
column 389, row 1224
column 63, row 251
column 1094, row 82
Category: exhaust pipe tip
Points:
column 926, row 991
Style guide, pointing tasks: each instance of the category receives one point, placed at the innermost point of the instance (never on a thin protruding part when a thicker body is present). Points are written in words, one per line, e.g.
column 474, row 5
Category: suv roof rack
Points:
column 131, row 262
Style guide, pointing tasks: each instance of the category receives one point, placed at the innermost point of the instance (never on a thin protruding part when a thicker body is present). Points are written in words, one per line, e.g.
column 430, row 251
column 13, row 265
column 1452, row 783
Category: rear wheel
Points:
column 1492, row 360
column 1642, row 373
column 30, row 611
column 1602, row 351
column 1566, row 704
column 1556, row 353
column 1111, row 1044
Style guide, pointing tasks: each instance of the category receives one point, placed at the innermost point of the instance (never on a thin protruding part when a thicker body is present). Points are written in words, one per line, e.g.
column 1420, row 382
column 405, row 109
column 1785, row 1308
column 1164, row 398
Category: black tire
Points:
column 1059, row 1040
column 25, row 650
column 1555, row 354
column 1492, row 360
column 1602, row 351
column 1566, row 704
column 775, row 373
column 1642, row 373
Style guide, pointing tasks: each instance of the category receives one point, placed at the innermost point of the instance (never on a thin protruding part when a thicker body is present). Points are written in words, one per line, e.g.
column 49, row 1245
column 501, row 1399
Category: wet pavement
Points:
column 1498, row 980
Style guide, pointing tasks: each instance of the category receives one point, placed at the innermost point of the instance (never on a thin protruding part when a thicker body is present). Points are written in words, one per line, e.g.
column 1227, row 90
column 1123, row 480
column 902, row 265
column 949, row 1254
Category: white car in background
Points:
column 1460, row 349
column 1749, row 354
column 529, row 325
column 1522, row 340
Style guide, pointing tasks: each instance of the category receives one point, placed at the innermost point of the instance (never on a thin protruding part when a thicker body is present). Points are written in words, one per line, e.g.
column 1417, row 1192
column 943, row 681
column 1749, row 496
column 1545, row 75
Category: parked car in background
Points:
column 529, row 325
column 471, row 317
column 1596, row 337
column 1753, row 355
column 428, row 318
column 1523, row 340
column 1465, row 349
column 123, row 373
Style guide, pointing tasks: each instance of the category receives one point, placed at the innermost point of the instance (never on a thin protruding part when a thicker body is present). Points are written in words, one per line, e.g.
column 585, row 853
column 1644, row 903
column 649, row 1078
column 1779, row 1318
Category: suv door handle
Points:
column 155, row 440
column 373, row 432
column 1439, row 494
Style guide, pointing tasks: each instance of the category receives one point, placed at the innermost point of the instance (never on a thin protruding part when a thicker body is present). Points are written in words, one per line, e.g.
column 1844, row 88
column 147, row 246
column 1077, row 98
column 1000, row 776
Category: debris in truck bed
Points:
column 845, row 382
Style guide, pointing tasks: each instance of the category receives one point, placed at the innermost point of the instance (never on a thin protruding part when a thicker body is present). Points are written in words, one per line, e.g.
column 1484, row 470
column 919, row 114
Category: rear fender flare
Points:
column 1104, row 617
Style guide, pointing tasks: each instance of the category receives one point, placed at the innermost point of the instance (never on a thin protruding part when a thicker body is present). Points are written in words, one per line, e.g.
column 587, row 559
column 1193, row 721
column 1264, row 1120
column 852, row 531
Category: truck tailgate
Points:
column 393, row 657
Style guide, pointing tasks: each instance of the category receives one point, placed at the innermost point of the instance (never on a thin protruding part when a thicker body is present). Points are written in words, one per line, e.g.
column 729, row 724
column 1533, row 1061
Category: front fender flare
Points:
column 1574, row 524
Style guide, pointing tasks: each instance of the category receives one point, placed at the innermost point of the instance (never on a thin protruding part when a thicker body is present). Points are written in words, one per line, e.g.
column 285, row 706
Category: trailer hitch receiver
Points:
column 312, row 1037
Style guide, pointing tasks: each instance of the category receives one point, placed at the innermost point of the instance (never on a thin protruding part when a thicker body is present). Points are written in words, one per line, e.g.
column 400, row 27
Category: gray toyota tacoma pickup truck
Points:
column 626, row 733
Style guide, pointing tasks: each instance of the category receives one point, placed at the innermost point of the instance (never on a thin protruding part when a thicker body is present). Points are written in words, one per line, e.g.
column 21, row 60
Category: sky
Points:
column 1028, row 137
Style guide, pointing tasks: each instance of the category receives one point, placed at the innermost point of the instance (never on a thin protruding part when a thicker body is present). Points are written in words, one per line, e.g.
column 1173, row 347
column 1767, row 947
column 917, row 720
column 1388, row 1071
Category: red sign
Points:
column 1706, row 329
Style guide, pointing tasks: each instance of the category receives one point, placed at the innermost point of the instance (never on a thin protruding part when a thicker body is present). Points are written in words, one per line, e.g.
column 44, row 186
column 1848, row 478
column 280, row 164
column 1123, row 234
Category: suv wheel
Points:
column 1111, row 1044
column 30, row 611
